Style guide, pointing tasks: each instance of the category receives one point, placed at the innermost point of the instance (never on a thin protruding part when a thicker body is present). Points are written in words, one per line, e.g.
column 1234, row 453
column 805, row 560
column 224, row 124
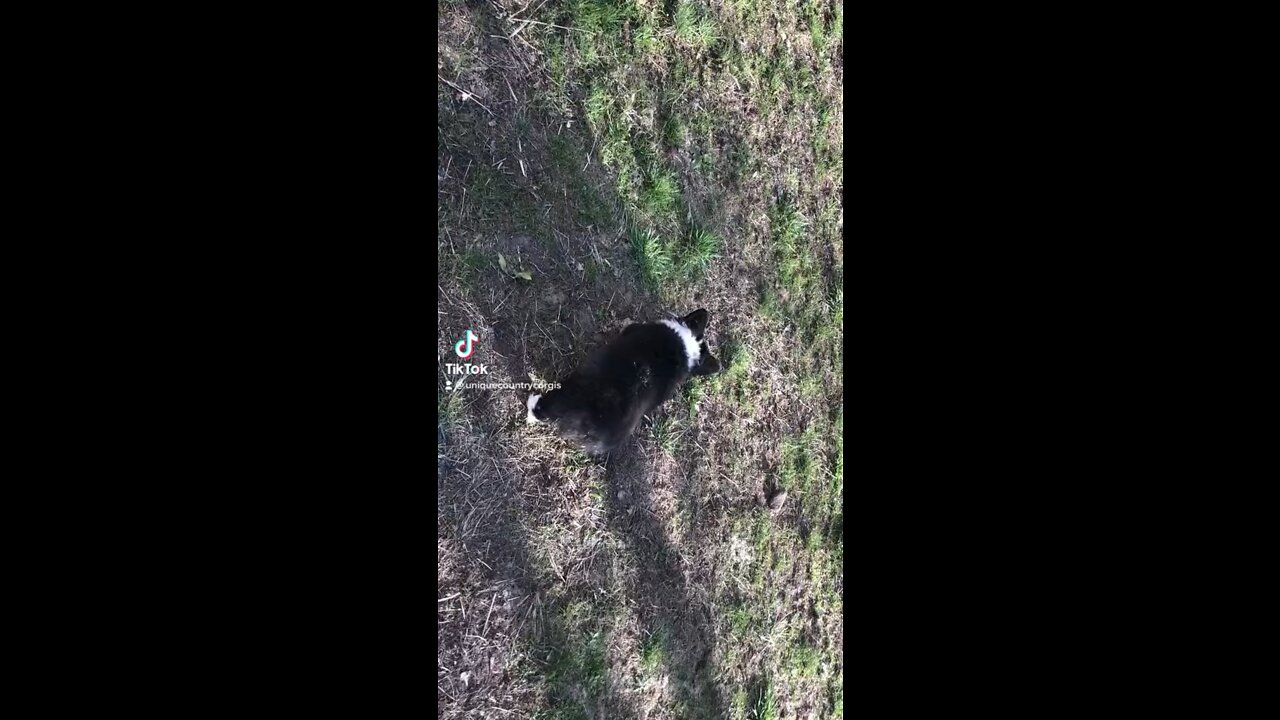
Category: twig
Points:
column 513, row 15
column 485, row 631
column 562, row 27
column 524, row 24
column 467, row 94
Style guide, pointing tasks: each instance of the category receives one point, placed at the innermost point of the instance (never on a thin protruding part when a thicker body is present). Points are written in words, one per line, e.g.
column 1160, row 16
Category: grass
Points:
column 577, row 670
column 448, row 408
column 640, row 158
column 663, row 262
column 733, row 380
column 652, row 652
column 703, row 249
column 789, row 244
column 660, row 194
column 665, row 433
column 693, row 26
column 693, row 394
column 805, row 660
column 652, row 256
column 765, row 706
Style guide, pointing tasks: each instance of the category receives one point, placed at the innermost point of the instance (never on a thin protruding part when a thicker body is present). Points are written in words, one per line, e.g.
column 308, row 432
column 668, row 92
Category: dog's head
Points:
column 697, row 321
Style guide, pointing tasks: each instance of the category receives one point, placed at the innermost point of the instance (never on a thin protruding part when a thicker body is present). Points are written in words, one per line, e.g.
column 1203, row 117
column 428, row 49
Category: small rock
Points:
column 465, row 677
column 778, row 499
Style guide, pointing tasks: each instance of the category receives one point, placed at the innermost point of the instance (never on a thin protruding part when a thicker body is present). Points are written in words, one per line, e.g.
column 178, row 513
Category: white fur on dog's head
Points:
column 691, row 349
column 531, row 404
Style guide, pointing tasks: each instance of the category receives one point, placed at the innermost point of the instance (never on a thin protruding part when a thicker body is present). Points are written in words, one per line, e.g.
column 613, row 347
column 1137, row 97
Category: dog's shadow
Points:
column 664, row 606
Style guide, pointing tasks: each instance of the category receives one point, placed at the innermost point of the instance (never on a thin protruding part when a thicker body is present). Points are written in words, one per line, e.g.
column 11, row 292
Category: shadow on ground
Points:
column 665, row 608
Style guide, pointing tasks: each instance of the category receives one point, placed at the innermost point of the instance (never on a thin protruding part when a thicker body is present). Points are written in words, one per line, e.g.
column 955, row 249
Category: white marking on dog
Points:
column 531, row 404
column 691, row 349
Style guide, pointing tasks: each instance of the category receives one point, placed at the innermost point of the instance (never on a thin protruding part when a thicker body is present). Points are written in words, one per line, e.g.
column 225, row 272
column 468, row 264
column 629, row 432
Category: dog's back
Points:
column 602, row 403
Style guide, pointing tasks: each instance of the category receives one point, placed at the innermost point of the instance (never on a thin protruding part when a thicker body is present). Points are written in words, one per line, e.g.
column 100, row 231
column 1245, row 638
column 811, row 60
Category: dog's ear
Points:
column 707, row 363
column 696, row 321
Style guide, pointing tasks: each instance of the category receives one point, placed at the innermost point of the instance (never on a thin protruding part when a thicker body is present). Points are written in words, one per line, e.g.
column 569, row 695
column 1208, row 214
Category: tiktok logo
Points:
column 470, row 338
column 464, row 348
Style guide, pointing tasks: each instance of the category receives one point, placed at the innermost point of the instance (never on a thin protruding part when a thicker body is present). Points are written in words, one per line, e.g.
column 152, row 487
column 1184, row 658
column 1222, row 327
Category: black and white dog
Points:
column 600, row 404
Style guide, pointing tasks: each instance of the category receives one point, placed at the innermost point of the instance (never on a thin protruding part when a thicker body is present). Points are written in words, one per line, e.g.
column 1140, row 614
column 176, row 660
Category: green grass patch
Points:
column 664, row 263
column 736, row 359
column 735, row 364
column 702, row 249
column 665, row 434
column 769, row 304
column 738, row 707
column 693, row 393
column 596, row 109
column 811, row 386
column 599, row 17
column 647, row 38
column 660, row 193
column 818, row 32
column 788, row 227
column 672, row 132
column 805, row 660
column 740, row 622
column 653, row 651
column 652, row 256
column 766, row 705
column 578, row 664
column 793, row 474
column 557, row 101
column 693, row 26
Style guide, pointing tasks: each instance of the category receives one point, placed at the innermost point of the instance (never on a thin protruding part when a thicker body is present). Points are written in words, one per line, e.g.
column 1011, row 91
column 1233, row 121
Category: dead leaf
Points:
column 525, row 275
column 502, row 263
